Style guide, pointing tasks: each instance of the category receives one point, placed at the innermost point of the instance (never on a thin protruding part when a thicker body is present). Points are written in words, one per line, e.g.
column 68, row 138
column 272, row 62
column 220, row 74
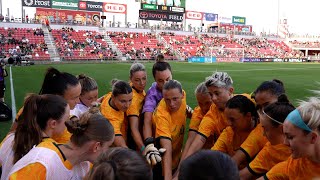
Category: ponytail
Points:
column 37, row 111
column 56, row 82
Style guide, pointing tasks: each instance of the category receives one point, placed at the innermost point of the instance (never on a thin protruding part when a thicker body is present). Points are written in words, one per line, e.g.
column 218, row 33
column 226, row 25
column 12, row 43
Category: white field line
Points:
column 247, row 70
column 13, row 99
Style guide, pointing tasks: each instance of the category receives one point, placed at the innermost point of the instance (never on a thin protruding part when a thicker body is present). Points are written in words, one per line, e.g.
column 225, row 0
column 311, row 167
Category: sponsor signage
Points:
column 158, row 16
column 90, row 6
column 277, row 60
column 194, row 15
column 238, row 20
column 223, row 19
column 80, row 16
column 177, row 9
column 65, row 4
column 251, row 60
column 161, row 8
column 149, row 6
column 292, row 60
column 202, row 59
column 37, row 3
column 236, row 27
column 171, row 3
column 228, row 60
column 114, row 8
column 210, row 17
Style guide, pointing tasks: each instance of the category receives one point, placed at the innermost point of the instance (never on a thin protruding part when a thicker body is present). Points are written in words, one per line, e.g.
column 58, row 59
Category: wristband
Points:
column 142, row 149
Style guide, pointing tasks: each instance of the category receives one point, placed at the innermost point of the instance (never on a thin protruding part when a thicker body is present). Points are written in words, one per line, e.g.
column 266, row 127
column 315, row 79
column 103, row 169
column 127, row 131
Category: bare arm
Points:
column 246, row 175
column 119, row 142
column 134, row 125
column 196, row 145
column 239, row 157
column 191, row 137
column 147, row 125
column 167, row 159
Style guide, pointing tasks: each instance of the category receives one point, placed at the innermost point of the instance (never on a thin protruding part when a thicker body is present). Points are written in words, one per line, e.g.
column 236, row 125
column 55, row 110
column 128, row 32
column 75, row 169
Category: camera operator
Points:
column 3, row 74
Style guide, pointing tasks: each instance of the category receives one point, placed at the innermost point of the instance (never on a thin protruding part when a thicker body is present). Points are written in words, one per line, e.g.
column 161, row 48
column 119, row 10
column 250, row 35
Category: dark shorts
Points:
column 2, row 89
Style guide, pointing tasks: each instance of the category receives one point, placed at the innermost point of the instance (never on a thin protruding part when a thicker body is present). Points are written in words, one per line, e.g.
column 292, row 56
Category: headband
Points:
column 271, row 117
column 295, row 118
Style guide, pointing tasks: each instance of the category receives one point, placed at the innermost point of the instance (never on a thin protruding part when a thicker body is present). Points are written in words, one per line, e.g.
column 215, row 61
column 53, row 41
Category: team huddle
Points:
column 68, row 132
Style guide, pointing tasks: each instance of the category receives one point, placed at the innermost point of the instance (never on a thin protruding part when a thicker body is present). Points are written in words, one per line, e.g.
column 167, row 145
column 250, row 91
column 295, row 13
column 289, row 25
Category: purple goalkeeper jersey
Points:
column 153, row 97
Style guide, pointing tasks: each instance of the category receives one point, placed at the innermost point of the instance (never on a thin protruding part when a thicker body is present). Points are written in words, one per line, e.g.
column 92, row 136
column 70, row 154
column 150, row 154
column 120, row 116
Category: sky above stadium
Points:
column 261, row 14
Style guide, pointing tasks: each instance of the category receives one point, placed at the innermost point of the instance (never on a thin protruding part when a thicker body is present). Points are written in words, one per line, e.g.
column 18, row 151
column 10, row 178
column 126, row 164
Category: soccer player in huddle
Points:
column 88, row 97
column 114, row 106
column 266, row 93
column 59, row 83
column 243, row 117
column 92, row 134
column 220, row 87
column 302, row 132
column 138, row 81
column 274, row 151
column 170, row 121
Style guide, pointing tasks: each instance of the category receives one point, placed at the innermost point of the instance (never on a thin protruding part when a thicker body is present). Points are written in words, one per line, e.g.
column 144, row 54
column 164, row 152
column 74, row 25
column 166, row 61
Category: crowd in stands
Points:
column 305, row 44
column 22, row 43
column 245, row 47
column 83, row 44
column 139, row 45
column 73, row 44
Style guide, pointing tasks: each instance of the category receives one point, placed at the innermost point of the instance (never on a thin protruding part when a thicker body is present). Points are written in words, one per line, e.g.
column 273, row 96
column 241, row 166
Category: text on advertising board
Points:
column 36, row 3
column 194, row 15
column 238, row 20
column 158, row 16
column 115, row 8
column 90, row 6
column 161, row 8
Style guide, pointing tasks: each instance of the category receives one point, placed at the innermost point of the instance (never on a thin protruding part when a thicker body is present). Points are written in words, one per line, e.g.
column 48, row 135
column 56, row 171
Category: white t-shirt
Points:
column 55, row 169
column 6, row 156
column 78, row 110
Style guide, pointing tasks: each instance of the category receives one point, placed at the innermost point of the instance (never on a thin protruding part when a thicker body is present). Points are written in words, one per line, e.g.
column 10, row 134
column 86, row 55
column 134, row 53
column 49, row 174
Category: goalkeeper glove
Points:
column 151, row 153
column 189, row 111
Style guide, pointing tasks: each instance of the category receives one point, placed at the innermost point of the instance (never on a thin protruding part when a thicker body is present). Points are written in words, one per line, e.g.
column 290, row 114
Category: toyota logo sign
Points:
column 143, row 15
column 82, row 5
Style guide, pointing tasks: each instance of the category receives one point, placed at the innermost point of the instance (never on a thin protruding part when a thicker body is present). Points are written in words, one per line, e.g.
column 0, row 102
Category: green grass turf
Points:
column 299, row 79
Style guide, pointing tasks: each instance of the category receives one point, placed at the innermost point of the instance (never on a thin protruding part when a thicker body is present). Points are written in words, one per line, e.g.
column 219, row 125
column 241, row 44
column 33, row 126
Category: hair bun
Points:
column 81, row 76
column 75, row 127
column 114, row 81
column 278, row 82
column 283, row 99
column 94, row 110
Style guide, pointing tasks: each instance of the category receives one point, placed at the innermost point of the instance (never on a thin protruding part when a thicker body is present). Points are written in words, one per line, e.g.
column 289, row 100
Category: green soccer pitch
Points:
column 299, row 78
